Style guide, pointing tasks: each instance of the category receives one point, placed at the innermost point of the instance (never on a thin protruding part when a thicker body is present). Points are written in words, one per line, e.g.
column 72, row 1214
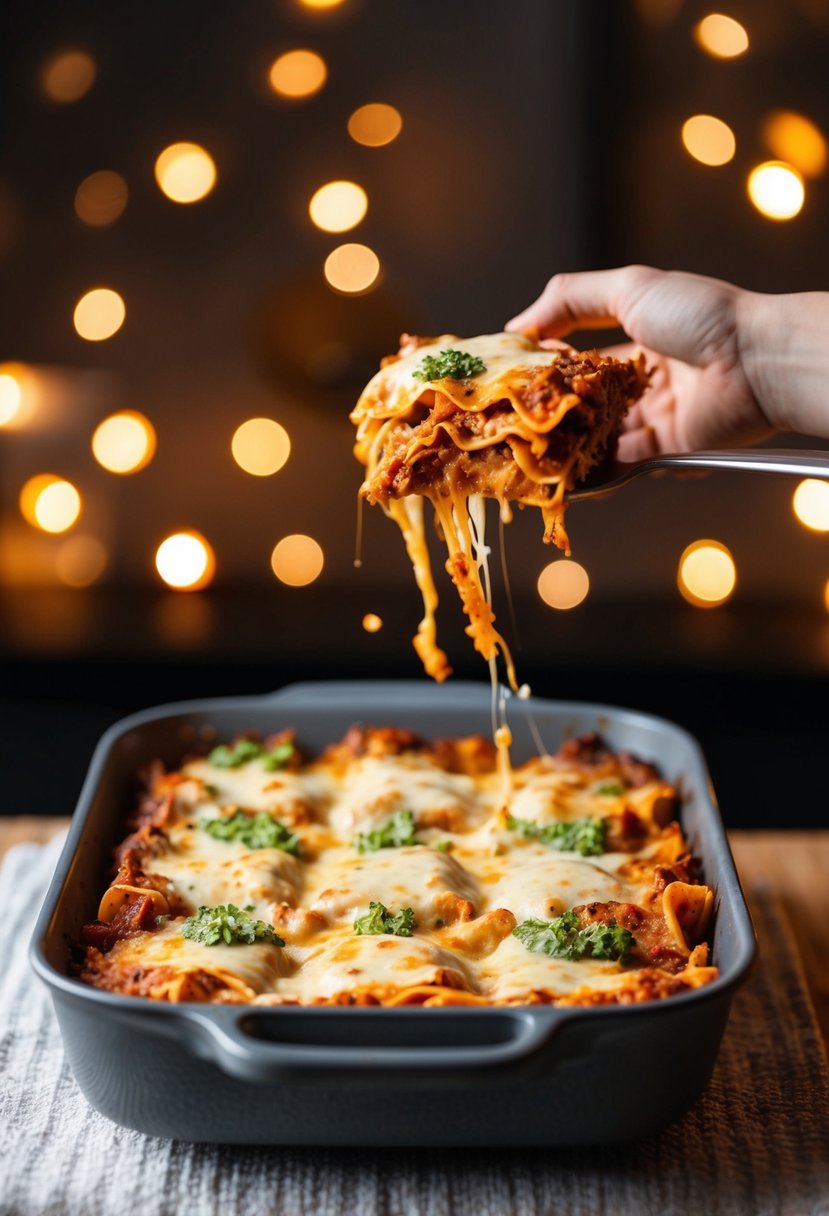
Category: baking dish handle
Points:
column 376, row 1047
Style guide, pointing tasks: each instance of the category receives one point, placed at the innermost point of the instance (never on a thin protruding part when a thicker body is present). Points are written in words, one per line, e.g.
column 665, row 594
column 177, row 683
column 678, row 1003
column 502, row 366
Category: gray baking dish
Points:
column 338, row 1076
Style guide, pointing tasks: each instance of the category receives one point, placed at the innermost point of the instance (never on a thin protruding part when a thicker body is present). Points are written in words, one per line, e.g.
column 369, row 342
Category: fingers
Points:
column 596, row 299
column 637, row 444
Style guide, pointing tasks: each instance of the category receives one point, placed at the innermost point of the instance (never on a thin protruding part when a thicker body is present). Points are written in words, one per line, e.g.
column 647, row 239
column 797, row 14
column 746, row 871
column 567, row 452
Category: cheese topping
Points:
column 478, row 867
column 509, row 360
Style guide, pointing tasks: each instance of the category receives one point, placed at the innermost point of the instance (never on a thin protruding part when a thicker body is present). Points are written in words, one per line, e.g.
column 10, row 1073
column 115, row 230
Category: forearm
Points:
column 784, row 344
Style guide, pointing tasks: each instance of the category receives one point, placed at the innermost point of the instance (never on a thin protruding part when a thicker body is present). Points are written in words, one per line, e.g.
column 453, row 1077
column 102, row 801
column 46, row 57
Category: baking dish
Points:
column 335, row 1076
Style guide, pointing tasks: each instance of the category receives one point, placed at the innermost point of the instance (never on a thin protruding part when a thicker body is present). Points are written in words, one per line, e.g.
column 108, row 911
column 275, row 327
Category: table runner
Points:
column 757, row 1144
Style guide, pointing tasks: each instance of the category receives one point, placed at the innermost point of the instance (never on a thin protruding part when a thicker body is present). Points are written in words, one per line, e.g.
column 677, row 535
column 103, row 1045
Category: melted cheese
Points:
column 509, row 359
column 375, row 963
column 256, row 968
column 550, row 883
column 415, row 877
column 376, row 788
column 206, row 876
column 491, row 875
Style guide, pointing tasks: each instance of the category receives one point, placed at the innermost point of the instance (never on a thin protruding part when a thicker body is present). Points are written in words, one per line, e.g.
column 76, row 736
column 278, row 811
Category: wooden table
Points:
column 791, row 865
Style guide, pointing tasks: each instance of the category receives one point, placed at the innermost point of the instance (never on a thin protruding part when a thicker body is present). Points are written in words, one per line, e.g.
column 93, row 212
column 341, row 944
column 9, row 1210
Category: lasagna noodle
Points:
column 468, row 878
column 501, row 433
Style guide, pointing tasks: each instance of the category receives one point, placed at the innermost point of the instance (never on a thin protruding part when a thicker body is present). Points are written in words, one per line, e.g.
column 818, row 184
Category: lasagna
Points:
column 459, row 420
column 391, row 870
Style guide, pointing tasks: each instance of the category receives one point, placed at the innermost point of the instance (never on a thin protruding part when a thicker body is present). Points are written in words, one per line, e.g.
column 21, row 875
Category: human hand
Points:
column 690, row 329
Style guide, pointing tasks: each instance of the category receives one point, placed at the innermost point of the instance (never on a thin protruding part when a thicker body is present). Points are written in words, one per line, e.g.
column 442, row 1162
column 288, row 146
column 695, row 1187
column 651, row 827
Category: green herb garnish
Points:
column 278, row 757
column 449, row 365
column 562, row 938
column 585, row 836
column 249, row 749
column 379, row 919
column 229, row 924
column 396, row 833
column 259, row 831
column 444, row 846
column 610, row 789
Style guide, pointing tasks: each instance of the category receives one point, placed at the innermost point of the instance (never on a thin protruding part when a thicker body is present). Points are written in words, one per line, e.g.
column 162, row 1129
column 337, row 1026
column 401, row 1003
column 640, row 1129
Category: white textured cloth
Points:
column 757, row 1144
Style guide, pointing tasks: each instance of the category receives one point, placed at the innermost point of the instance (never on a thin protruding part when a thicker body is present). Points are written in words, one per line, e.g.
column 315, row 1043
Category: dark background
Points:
column 538, row 136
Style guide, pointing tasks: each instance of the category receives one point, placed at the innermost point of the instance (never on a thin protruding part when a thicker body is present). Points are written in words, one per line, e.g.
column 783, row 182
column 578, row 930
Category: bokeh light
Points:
column 101, row 198
column 320, row 4
column 375, row 125
column 352, row 268
column 708, row 139
column 707, row 574
column 563, row 584
column 298, row 74
column 99, row 314
column 185, row 561
column 260, row 446
column 11, row 396
column 67, row 76
column 297, row 560
column 826, row 595
column 185, row 172
column 776, row 190
column 794, row 139
column 372, row 623
column 124, row 442
column 50, row 502
column 810, row 503
column 338, row 206
column 721, row 36
column 80, row 561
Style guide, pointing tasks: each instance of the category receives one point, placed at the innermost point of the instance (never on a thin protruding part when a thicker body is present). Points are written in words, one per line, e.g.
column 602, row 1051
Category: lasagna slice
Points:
column 459, row 420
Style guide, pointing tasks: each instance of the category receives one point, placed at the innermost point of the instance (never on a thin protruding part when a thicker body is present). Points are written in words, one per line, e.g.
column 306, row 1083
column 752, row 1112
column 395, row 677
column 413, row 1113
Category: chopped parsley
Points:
column 379, row 919
column 396, row 833
column 449, row 365
column 610, row 789
column 229, row 924
column 585, row 836
column 244, row 750
column 259, row 831
column 562, row 938
column 444, row 846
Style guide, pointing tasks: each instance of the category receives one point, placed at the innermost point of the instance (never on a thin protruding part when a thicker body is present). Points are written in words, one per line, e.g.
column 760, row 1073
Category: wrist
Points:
column 759, row 339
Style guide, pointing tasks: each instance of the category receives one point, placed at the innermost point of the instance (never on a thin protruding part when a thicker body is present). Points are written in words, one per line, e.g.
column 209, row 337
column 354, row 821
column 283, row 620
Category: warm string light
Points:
column 298, row 74
column 707, row 575
column 372, row 623
column 810, row 503
column 708, row 139
column 721, row 36
column 297, row 560
column 795, row 140
column 185, row 561
column 50, row 503
column 11, row 396
column 260, row 446
column 185, row 172
column 80, row 561
column 99, row 314
column 67, row 76
column 101, row 198
column 563, row 584
column 352, row 269
column 776, row 190
column 338, row 206
column 125, row 442
column 375, row 125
